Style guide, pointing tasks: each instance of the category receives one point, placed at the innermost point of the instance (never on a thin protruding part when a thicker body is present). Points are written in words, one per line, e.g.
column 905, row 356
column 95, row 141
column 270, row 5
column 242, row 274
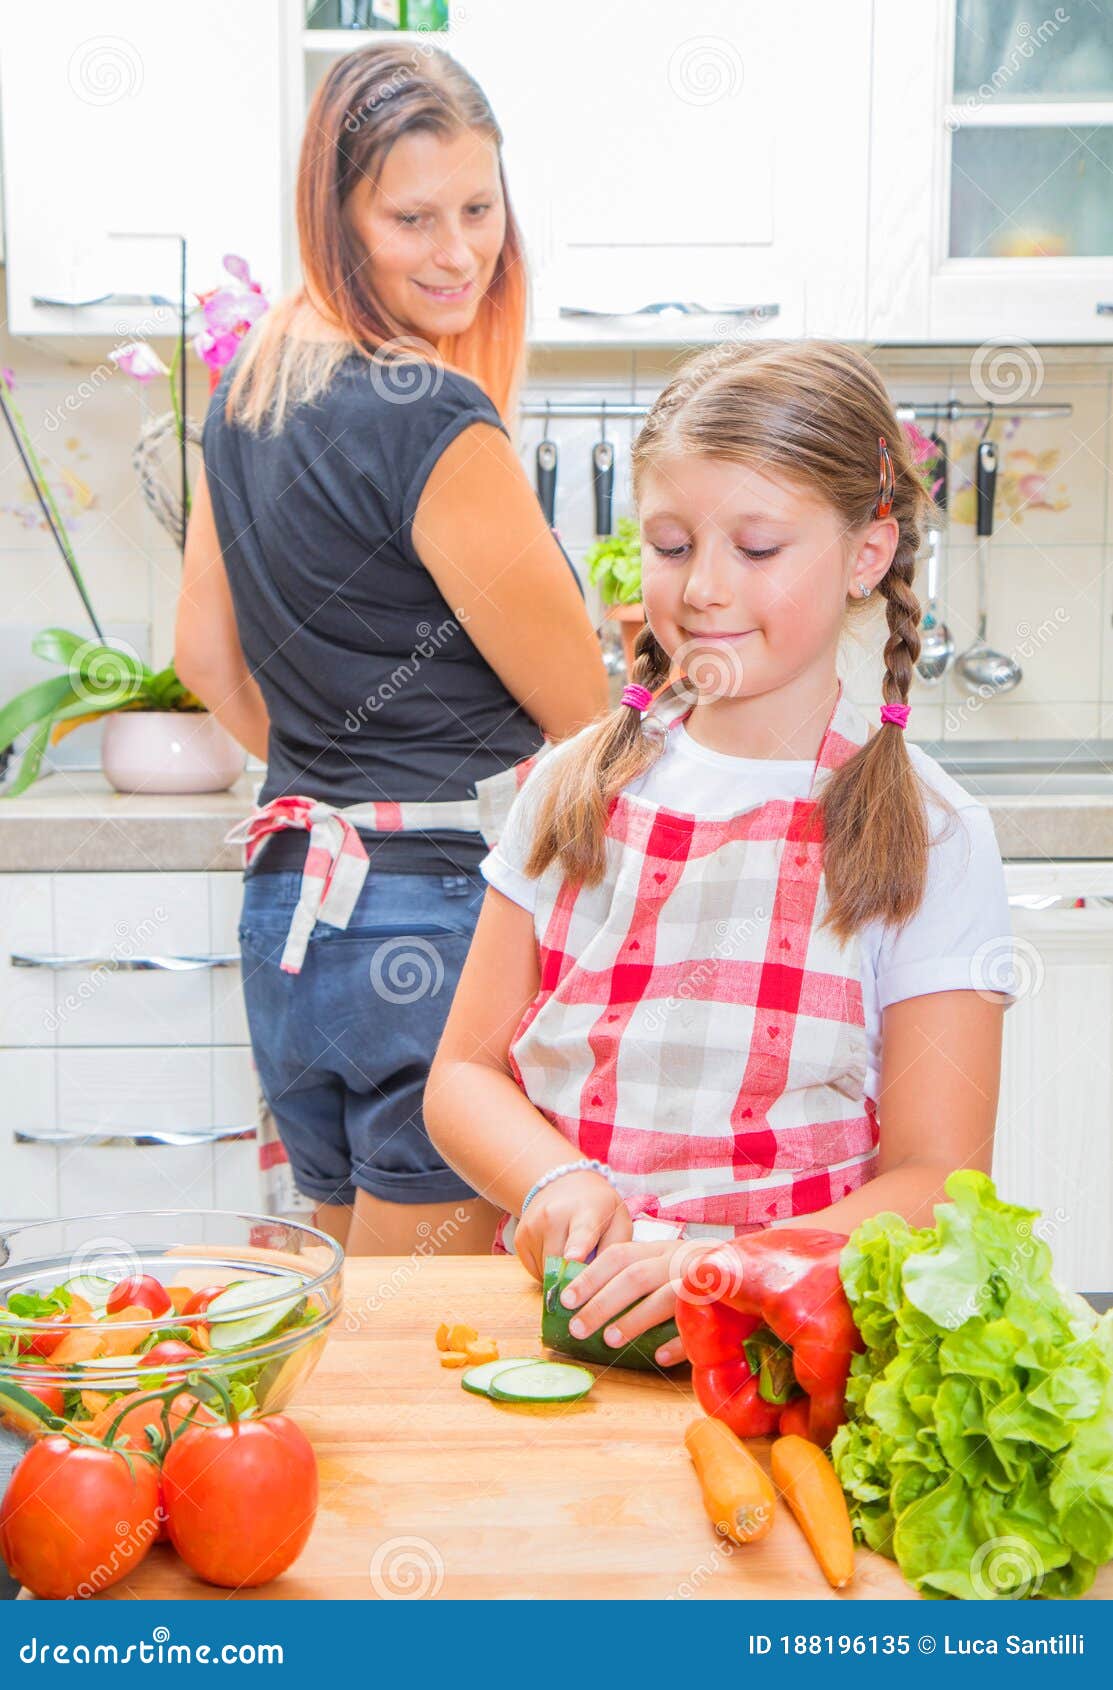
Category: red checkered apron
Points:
column 695, row 1027
column 336, row 860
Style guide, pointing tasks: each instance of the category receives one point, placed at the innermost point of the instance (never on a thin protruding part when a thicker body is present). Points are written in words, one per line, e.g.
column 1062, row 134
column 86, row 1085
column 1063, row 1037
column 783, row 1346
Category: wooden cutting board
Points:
column 428, row 1490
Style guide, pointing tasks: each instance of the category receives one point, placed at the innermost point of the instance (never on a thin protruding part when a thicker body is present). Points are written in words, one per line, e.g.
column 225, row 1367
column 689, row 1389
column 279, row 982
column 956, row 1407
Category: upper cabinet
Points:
column 125, row 126
column 696, row 154
column 872, row 170
column 990, row 207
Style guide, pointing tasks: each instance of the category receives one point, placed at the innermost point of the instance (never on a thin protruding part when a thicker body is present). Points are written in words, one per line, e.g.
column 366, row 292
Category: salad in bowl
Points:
column 105, row 1307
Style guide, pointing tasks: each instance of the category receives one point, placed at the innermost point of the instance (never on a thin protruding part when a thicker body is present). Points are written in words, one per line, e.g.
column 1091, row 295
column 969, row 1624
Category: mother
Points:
column 373, row 602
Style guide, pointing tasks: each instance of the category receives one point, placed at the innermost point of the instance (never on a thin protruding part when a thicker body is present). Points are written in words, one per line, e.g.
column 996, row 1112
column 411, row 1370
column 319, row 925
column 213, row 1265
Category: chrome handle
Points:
column 121, row 965
column 671, row 307
column 126, row 1137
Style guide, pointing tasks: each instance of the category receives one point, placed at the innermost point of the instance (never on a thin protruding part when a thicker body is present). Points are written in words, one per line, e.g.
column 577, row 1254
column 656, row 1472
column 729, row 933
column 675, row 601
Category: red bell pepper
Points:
column 769, row 1333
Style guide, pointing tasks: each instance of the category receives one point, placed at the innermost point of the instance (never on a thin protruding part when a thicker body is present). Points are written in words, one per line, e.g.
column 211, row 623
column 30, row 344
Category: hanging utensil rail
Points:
column 915, row 410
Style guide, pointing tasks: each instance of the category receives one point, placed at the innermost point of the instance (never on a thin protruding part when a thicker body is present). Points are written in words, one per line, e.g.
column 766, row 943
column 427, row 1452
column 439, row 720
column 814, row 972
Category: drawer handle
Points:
column 1104, row 308
column 677, row 308
column 166, row 964
column 125, row 1137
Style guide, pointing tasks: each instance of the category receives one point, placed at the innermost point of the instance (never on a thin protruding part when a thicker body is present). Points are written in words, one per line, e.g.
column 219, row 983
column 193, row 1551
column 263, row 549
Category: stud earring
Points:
column 863, row 590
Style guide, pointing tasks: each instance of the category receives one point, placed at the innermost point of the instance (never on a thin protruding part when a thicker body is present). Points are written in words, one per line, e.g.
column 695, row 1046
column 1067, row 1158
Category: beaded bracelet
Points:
column 588, row 1165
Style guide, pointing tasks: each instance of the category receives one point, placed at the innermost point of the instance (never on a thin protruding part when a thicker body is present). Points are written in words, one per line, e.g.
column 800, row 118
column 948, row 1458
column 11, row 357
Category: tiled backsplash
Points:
column 1049, row 604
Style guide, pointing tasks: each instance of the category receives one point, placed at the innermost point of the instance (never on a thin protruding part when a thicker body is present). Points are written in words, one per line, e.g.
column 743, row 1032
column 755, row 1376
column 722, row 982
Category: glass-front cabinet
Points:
column 993, row 123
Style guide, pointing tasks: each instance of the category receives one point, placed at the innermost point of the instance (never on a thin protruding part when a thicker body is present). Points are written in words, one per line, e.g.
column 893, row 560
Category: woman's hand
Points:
column 576, row 1214
column 645, row 1275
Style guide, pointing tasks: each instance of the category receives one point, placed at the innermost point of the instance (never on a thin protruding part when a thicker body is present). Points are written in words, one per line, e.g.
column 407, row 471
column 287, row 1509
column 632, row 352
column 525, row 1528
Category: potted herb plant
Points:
column 614, row 565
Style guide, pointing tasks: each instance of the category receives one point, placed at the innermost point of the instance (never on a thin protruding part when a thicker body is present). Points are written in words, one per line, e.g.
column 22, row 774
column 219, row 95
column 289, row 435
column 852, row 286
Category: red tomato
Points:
column 51, row 1396
column 200, row 1300
column 141, row 1291
column 241, row 1499
column 74, row 1520
column 168, row 1353
column 45, row 1343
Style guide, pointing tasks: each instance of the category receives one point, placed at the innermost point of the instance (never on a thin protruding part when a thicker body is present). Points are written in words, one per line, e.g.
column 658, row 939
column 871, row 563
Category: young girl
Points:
column 738, row 965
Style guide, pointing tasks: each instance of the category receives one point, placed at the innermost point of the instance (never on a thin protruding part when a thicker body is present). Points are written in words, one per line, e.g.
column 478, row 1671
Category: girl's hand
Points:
column 575, row 1215
column 646, row 1275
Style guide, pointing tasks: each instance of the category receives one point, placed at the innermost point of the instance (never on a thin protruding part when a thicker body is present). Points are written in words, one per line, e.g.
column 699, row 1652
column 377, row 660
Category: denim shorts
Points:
column 343, row 1049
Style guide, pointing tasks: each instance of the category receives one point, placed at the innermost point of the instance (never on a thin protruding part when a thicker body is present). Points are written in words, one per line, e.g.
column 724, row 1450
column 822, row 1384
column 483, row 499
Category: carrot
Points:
column 455, row 1358
column 737, row 1494
column 811, row 1488
column 482, row 1349
column 179, row 1296
column 76, row 1346
column 120, row 1339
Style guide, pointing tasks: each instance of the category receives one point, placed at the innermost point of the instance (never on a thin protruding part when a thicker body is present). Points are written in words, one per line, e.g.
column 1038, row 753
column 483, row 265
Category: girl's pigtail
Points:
column 875, row 822
column 572, row 817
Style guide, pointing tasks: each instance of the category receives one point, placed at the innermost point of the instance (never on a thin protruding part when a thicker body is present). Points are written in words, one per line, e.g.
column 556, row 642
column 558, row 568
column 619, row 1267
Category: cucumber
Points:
column 21, row 1412
column 541, row 1381
column 638, row 1353
column 90, row 1286
column 240, row 1299
column 477, row 1379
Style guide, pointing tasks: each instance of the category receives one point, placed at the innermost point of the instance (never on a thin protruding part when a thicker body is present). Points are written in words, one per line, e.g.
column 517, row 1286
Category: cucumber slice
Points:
column 90, row 1286
column 477, row 1379
column 542, row 1381
column 639, row 1352
column 240, row 1299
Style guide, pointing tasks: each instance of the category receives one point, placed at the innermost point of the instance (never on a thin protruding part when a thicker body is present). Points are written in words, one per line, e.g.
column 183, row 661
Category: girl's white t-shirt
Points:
column 960, row 939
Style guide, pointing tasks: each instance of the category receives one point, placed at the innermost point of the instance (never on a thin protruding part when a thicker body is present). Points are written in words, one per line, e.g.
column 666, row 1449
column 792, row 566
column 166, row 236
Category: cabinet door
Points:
column 1054, row 1148
column 690, row 153
column 144, row 121
column 991, row 160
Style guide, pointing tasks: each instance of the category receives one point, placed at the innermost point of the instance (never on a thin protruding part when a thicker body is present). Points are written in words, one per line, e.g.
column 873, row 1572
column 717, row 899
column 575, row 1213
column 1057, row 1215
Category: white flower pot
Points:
column 169, row 751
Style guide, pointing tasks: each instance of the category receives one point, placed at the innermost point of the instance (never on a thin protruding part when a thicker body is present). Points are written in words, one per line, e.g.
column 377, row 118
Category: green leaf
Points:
column 27, row 708
column 58, row 645
column 31, row 760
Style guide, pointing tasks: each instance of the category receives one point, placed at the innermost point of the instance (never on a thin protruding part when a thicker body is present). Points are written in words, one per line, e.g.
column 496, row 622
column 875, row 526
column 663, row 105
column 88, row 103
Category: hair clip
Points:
column 886, row 478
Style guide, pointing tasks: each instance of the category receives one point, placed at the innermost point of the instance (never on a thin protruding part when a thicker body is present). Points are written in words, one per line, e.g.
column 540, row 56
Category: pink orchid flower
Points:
column 139, row 360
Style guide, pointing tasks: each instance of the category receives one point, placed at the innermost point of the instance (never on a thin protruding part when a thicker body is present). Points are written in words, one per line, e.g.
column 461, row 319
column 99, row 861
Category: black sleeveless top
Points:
column 373, row 687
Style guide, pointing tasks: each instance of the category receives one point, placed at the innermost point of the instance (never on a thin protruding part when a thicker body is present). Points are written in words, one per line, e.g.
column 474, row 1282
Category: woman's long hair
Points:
column 366, row 102
column 812, row 410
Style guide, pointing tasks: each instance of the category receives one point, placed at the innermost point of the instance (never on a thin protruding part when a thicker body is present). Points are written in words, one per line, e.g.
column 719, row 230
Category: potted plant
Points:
column 159, row 737
column 614, row 565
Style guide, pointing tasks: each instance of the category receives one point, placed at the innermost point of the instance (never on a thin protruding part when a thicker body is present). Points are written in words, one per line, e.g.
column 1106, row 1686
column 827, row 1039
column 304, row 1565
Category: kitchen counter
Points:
column 76, row 821
column 426, row 1489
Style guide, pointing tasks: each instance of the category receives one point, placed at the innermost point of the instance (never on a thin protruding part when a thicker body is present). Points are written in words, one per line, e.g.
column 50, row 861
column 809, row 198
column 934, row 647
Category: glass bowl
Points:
column 262, row 1341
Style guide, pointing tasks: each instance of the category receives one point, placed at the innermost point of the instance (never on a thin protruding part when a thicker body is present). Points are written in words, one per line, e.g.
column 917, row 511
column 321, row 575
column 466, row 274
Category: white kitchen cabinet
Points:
column 992, row 149
column 107, row 132
column 715, row 153
column 1054, row 1145
column 95, row 1057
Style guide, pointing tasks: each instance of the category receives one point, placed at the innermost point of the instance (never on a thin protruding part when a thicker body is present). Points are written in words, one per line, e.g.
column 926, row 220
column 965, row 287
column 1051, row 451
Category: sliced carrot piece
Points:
column 483, row 1349
column 442, row 1336
column 455, row 1358
column 179, row 1296
column 94, row 1401
column 77, row 1346
column 120, row 1339
column 811, row 1488
column 460, row 1336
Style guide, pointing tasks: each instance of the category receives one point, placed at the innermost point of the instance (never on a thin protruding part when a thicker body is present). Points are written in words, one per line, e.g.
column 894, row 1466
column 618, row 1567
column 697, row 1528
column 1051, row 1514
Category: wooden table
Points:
column 426, row 1489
